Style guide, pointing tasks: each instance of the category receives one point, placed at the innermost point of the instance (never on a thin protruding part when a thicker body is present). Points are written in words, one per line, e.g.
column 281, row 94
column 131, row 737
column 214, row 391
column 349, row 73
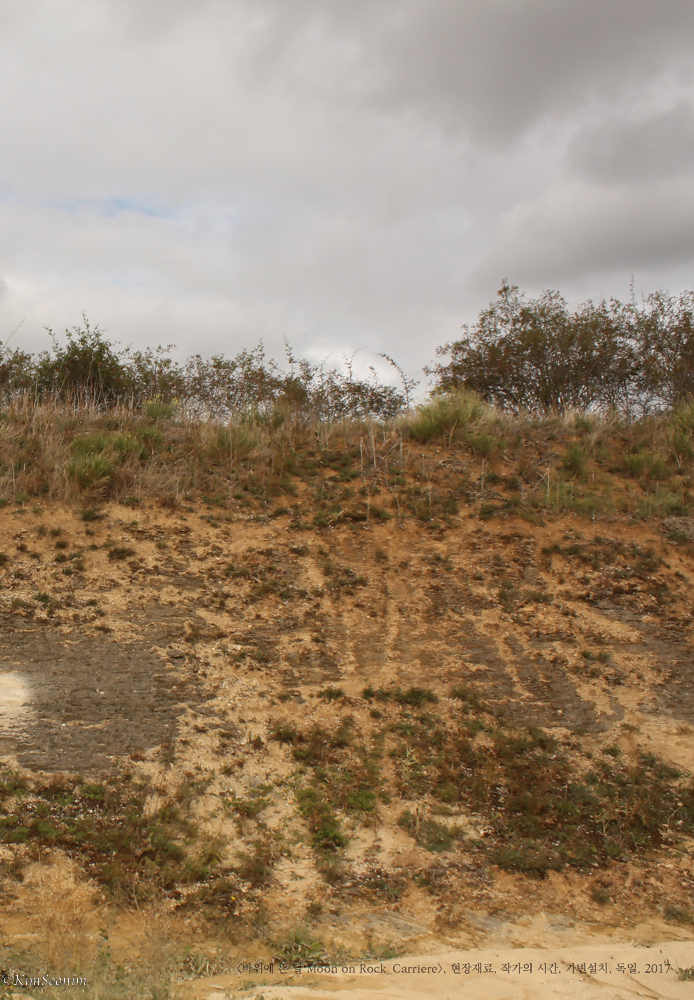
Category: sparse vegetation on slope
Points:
column 433, row 662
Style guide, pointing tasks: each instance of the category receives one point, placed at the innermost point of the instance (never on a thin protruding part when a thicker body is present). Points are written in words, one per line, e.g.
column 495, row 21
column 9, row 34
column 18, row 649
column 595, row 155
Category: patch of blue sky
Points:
column 114, row 206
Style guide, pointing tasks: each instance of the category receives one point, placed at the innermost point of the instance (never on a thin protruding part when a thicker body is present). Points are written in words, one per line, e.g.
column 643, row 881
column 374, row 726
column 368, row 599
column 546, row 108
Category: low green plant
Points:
column 91, row 514
column 415, row 696
column 252, row 806
column 120, row 552
column 647, row 465
column 575, row 460
column 331, row 693
column 325, row 827
column 381, row 952
column 429, row 833
column 469, row 698
column 486, row 445
column 106, row 829
column 300, row 948
column 155, row 409
column 608, row 808
column 677, row 913
column 284, row 732
column 256, row 867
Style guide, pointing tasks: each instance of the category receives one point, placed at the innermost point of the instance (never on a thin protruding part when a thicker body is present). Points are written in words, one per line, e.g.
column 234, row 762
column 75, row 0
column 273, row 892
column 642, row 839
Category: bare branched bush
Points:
column 86, row 369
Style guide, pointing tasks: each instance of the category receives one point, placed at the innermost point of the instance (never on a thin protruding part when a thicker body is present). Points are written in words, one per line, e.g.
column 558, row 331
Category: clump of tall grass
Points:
column 447, row 415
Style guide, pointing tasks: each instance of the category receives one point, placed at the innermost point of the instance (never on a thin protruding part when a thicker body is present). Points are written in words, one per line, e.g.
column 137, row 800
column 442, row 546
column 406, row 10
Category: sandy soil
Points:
column 614, row 972
column 183, row 653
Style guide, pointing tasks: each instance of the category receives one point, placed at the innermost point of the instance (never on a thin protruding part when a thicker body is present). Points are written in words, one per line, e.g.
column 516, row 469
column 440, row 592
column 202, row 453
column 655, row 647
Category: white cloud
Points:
column 351, row 175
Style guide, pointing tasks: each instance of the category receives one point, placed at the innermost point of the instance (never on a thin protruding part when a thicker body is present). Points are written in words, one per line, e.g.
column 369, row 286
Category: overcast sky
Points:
column 351, row 174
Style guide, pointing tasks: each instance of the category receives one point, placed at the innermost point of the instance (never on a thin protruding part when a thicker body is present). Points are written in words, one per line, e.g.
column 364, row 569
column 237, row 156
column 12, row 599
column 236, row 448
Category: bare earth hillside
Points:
column 331, row 732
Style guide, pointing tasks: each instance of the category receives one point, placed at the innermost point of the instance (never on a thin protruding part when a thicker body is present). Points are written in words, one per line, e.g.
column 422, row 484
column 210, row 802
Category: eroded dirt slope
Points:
column 349, row 718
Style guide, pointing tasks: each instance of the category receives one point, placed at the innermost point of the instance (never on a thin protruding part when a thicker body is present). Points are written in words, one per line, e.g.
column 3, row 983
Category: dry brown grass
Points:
column 584, row 464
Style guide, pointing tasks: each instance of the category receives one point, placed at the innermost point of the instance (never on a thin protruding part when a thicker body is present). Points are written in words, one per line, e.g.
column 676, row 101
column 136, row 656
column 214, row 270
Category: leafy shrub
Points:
column 539, row 355
column 521, row 354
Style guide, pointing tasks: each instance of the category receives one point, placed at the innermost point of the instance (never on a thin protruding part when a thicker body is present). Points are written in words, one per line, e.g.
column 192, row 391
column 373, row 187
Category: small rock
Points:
column 683, row 525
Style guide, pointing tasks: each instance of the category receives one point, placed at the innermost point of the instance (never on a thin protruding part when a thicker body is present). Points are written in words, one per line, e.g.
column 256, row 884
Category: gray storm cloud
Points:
column 580, row 230
column 620, row 150
column 351, row 175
